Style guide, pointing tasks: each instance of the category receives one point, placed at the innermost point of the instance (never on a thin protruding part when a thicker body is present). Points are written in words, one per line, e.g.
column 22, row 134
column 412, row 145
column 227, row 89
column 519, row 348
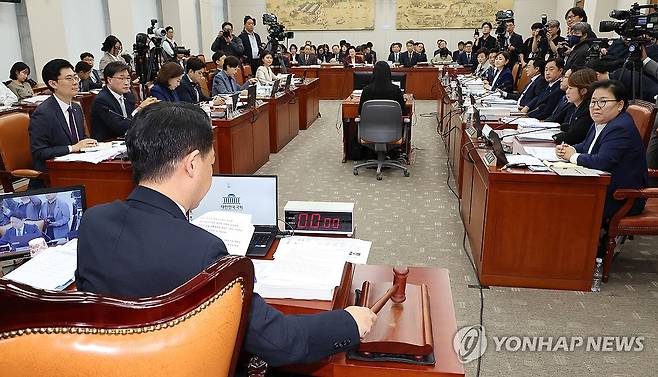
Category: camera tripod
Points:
column 634, row 61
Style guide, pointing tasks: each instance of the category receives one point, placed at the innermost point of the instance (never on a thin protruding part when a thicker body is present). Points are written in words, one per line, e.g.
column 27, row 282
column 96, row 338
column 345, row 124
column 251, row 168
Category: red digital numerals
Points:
column 316, row 221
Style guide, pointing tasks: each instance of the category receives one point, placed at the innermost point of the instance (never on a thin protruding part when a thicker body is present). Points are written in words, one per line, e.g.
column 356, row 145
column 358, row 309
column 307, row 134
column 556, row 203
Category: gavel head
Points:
column 400, row 280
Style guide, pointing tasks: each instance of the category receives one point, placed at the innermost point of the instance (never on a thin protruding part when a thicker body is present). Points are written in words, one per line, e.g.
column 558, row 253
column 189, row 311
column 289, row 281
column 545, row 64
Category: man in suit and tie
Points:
column 409, row 58
column 307, row 57
column 88, row 58
column 534, row 70
column 29, row 207
column 57, row 215
column 114, row 107
column 467, row 58
column 83, row 70
column 19, row 234
column 145, row 246
column 189, row 89
column 513, row 43
column 543, row 105
column 335, row 56
column 395, row 55
column 251, row 42
column 57, row 125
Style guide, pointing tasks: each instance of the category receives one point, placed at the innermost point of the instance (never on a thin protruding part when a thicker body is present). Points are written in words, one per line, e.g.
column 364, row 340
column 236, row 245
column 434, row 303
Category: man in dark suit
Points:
column 467, row 58
column 189, row 90
column 307, row 57
column 145, row 246
column 114, row 107
column 83, row 70
column 88, row 58
column 580, row 46
column 543, row 105
column 458, row 51
column 57, row 126
column 513, row 43
column 486, row 40
column 20, row 233
column 409, row 58
column 537, row 84
column 395, row 55
column 251, row 42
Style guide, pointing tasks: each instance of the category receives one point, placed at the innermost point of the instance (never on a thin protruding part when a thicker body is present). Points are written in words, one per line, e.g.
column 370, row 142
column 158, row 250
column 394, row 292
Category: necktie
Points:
column 19, row 232
column 123, row 106
column 396, row 58
column 72, row 128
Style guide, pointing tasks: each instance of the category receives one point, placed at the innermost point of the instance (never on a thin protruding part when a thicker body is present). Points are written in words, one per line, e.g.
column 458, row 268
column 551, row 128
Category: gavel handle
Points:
column 377, row 306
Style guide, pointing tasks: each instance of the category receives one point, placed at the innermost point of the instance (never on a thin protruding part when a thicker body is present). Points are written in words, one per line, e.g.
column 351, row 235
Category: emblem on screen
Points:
column 231, row 202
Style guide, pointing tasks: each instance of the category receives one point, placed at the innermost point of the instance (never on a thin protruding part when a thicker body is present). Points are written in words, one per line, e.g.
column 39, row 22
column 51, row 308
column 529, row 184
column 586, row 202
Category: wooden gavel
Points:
column 396, row 293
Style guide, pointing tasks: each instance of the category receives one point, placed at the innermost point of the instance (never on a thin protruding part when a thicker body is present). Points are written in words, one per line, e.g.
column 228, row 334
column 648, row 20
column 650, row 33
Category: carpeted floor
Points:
column 414, row 221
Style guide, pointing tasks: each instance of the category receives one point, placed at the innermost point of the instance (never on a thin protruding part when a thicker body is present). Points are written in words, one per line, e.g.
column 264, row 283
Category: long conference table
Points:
column 524, row 229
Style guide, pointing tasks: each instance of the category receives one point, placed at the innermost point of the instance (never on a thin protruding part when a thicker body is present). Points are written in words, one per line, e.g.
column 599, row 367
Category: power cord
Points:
column 286, row 233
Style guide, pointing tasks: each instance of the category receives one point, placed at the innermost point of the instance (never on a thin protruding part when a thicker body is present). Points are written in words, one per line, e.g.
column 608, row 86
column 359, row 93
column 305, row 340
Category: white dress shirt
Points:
column 532, row 79
column 254, row 45
column 597, row 129
column 493, row 82
column 65, row 111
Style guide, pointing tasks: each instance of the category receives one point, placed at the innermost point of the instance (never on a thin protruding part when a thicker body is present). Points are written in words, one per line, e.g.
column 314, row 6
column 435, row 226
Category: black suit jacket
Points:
column 106, row 125
column 562, row 111
column 465, row 60
column 575, row 125
column 490, row 43
column 542, row 106
column 391, row 57
column 578, row 56
column 50, row 135
column 517, row 41
column 312, row 60
column 145, row 246
column 247, row 45
column 409, row 61
column 392, row 92
column 187, row 91
column 532, row 90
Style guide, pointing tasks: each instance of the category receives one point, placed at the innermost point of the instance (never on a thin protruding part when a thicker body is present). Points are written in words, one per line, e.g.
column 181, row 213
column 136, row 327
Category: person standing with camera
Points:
column 552, row 41
column 169, row 44
column 227, row 42
column 486, row 40
column 579, row 44
column 251, row 42
column 513, row 42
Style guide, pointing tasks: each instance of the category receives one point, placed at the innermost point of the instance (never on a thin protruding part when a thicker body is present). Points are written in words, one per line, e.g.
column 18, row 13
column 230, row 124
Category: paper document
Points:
column 539, row 135
column 52, row 269
column 94, row 157
column 35, row 99
column 543, row 153
column 234, row 228
column 523, row 159
column 308, row 268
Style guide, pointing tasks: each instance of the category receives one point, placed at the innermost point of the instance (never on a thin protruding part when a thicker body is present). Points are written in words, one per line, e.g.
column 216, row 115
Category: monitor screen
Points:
column 52, row 213
column 252, row 194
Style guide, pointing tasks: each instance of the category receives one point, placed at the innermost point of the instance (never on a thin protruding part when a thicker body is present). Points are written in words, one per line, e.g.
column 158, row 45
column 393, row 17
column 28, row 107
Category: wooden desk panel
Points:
column 283, row 120
column 309, row 102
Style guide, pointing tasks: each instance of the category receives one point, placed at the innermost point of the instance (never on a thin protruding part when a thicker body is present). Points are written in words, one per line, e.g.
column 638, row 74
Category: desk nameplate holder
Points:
column 490, row 159
column 403, row 330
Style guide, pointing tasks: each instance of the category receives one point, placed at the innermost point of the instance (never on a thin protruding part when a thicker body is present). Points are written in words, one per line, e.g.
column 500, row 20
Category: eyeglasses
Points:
column 122, row 78
column 71, row 78
column 601, row 103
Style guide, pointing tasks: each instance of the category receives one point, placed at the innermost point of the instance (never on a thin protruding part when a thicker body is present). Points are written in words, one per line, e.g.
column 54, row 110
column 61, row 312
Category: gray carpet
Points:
column 414, row 221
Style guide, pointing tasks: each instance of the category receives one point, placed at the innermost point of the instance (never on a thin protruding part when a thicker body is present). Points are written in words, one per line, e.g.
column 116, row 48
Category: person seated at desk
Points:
column 323, row 57
column 57, row 125
column 534, row 70
column 168, row 79
column 57, row 215
column 114, row 106
column 352, row 58
column 576, row 125
column 224, row 81
column 419, row 47
column 28, row 207
column 441, row 44
column 335, row 56
column 458, row 51
column 7, row 97
column 264, row 73
column 491, row 71
column 146, row 246
column 564, row 108
column 409, row 58
column 112, row 48
column 83, row 70
column 395, row 55
column 308, row 57
column 294, row 56
column 486, row 40
column 8, row 206
column 483, row 66
column 466, row 58
column 542, row 106
column 613, row 144
column 381, row 87
column 189, row 89
column 502, row 77
column 369, row 56
column 443, row 57
column 88, row 58
column 218, row 58
column 19, row 84
column 19, row 234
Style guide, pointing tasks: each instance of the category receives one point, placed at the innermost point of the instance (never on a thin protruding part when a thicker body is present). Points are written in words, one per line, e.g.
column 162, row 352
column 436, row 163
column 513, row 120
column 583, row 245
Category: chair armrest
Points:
column 635, row 194
column 27, row 173
column 653, row 173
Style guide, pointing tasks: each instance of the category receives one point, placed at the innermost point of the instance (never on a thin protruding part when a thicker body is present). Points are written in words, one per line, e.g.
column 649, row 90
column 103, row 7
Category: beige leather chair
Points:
column 15, row 147
column 194, row 330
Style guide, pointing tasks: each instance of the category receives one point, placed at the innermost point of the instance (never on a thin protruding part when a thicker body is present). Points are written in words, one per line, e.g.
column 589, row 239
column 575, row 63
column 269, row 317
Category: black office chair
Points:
column 382, row 128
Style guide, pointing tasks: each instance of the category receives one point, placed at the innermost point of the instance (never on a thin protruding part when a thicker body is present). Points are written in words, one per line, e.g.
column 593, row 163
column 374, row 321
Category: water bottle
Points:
column 598, row 275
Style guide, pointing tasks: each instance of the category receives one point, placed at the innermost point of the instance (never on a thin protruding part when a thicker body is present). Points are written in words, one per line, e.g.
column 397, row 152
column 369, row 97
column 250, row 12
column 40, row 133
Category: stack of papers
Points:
column 234, row 228
column 308, row 268
column 94, row 157
column 52, row 269
column 543, row 135
column 543, row 153
column 522, row 160
column 529, row 122
column 35, row 99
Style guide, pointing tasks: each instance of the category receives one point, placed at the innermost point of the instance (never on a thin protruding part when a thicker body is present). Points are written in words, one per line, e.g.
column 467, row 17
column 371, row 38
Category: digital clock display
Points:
column 323, row 222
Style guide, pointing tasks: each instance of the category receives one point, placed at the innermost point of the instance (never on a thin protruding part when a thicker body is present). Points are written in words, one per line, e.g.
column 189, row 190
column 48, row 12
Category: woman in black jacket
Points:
column 381, row 87
column 576, row 125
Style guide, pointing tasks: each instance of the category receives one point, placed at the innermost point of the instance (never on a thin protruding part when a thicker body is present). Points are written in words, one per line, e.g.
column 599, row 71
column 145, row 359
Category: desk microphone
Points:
column 117, row 114
column 529, row 132
column 485, row 95
column 513, row 119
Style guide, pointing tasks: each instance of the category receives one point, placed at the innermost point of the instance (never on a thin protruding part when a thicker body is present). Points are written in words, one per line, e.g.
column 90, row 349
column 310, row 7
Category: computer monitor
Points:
column 251, row 96
column 252, row 194
column 30, row 210
column 361, row 79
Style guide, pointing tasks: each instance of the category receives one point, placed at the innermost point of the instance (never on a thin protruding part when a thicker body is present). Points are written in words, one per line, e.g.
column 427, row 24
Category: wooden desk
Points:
column 521, row 229
column 309, row 102
column 352, row 150
column 283, row 118
column 241, row 147
column 242, row 143
column 336, row 81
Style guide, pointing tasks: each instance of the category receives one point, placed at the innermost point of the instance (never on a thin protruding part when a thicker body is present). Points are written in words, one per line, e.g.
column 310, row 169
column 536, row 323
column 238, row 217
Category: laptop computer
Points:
column 31, row 208
column 253, row 194
column 275, row 87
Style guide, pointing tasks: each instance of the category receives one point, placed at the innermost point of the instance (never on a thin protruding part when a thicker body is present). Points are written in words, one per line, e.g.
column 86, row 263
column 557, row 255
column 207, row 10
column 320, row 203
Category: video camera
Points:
column 275, row 29
column 502, row 16
column 544, row 21
column 632, row 25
